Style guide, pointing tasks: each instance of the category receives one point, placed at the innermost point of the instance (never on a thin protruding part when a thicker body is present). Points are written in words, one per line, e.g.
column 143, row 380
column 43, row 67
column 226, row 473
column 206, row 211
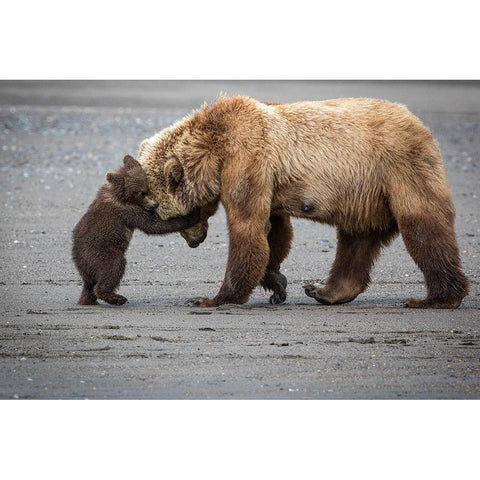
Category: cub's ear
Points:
column 113, row 178
column 174, row 174
column 130, row 162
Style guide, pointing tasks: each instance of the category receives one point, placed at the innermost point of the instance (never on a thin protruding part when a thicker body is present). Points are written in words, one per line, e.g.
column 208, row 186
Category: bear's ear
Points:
column 113, row 178
column 173, row 174
column 130, row 162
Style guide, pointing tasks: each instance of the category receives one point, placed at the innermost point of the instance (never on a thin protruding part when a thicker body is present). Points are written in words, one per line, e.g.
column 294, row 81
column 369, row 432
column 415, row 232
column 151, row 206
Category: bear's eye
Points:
column 142, row 194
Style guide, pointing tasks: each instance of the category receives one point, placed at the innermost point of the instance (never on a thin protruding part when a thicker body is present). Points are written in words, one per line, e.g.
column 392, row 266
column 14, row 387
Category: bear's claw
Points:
column 327, row 297
column 314, row 292
column 277, row 282
column 310, row 289
column 278, row 298
column 194, row 302
column 201, row 302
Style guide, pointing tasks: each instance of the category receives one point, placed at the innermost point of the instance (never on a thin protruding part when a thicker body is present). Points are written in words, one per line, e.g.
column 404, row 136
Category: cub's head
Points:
column 130, row 185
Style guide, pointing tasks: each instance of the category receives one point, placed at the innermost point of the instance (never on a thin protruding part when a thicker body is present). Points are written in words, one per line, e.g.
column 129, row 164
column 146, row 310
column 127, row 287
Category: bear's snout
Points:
column 193, row 243
column 151, row 206
column 195, row 235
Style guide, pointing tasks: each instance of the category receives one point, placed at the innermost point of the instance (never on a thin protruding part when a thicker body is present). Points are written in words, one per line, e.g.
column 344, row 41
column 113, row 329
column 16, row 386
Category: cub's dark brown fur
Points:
column 103, row 234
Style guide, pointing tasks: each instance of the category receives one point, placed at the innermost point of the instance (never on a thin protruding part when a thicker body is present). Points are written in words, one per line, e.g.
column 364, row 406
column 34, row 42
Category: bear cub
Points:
column 102, row 236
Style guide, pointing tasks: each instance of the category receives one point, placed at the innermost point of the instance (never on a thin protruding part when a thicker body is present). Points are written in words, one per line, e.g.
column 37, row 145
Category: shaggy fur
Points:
column 102, row 236
column 367, row 166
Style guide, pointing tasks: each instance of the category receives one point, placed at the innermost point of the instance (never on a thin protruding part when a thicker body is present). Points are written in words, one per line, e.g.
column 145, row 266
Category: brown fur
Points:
column 367, row 166
column 102, row 236
column 279, row 236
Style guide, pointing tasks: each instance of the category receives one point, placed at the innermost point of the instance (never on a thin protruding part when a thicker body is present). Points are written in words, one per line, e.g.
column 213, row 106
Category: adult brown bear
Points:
column 367, row 166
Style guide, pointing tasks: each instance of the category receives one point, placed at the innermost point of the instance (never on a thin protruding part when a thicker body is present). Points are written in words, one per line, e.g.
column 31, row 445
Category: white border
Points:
column 239, row 439
column 213, row 39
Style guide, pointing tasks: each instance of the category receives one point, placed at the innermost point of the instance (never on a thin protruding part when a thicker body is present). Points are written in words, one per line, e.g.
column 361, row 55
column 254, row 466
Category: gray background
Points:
column 58, row 139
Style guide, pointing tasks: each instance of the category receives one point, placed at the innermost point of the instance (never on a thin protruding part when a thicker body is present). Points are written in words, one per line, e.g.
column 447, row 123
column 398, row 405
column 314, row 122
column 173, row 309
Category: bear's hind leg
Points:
column 279, row 240
column 432, row 244
column 350, row 272
column 109, row 280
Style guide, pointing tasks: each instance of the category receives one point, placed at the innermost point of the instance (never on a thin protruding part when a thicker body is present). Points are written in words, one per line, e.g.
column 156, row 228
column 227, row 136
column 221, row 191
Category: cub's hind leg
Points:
column 109, row 279
column 87, row 296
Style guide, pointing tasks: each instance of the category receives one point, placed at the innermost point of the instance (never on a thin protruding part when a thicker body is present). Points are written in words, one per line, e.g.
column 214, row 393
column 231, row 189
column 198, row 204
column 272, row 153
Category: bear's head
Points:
column 130, row 185
column 182, row 163
column 195, row 235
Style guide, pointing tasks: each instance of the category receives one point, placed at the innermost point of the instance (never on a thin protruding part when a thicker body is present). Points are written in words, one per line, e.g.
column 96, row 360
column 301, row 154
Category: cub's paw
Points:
column 116, row 299
column 201, row 302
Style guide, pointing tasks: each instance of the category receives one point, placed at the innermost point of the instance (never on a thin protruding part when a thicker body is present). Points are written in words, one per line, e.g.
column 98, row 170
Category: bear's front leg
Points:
column 277, row 283
column 280, row 235
column 248, row 256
